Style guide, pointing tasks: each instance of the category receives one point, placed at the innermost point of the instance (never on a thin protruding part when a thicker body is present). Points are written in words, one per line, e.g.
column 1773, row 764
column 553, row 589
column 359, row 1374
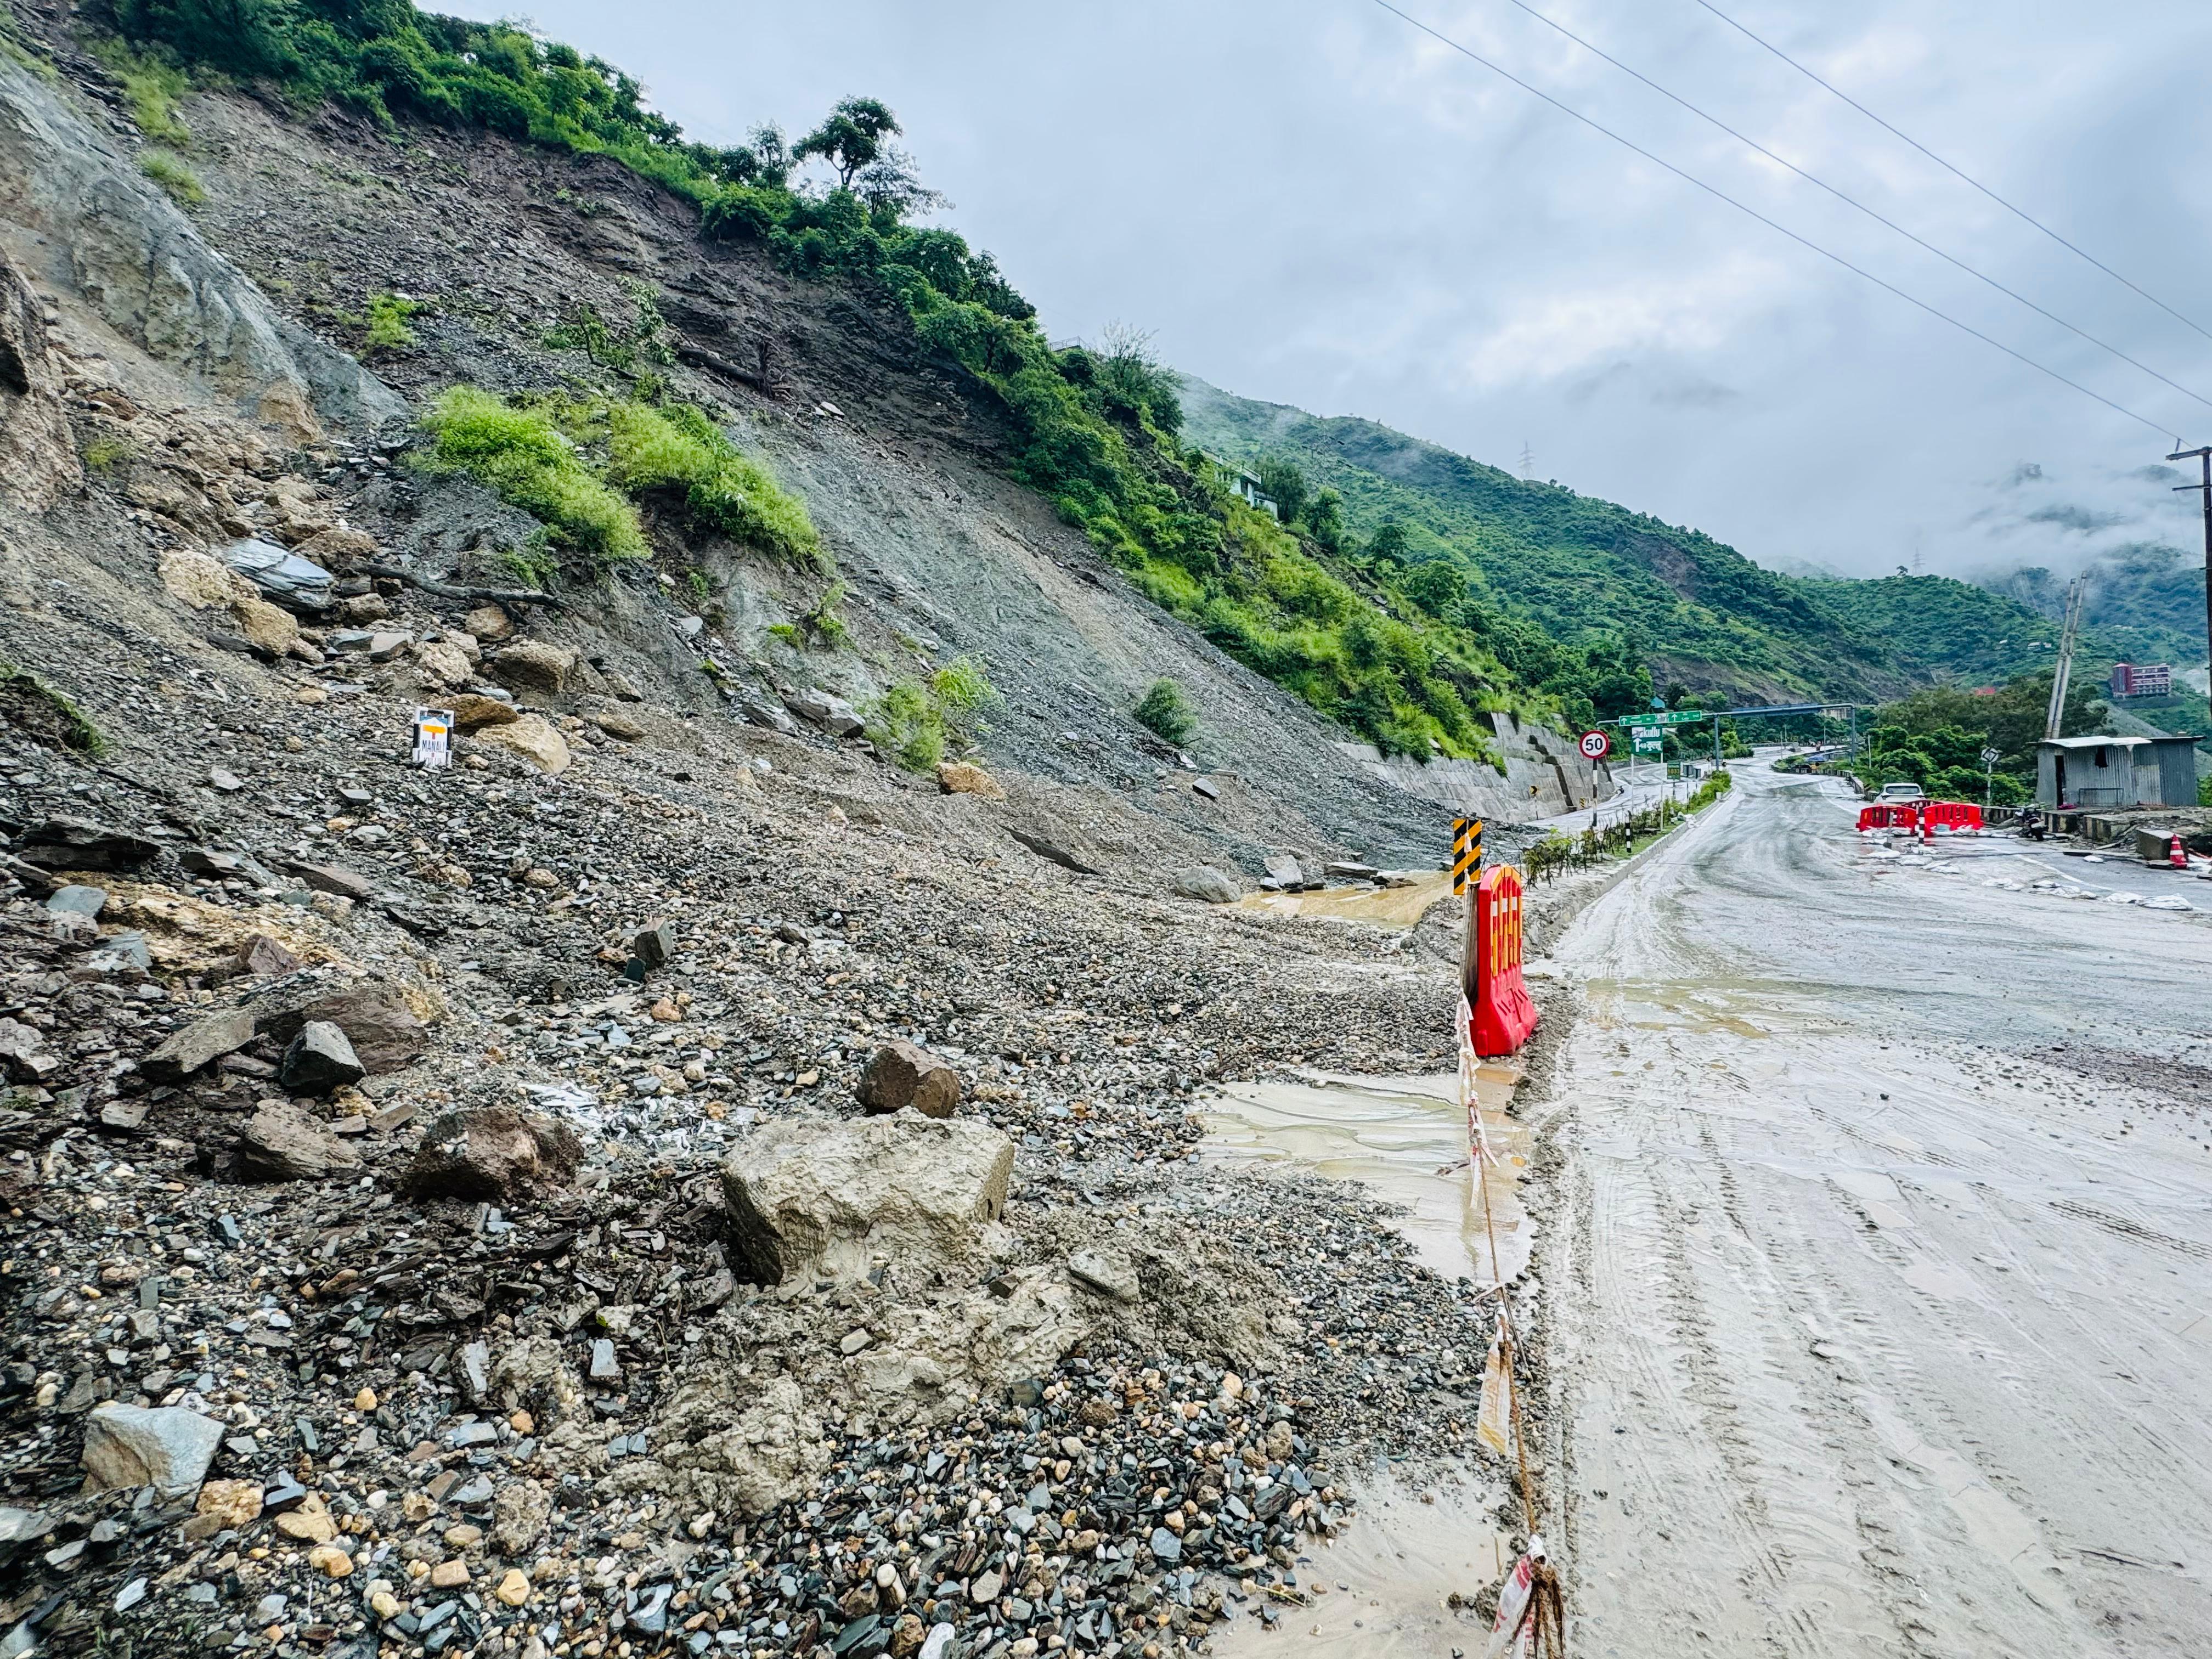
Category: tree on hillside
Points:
column 1283, row 481
column 854, row 135
column 1387, row 544
column 891, row 187
column 764, row 159
column 1325, row 521
column 1438, row 586
column 1130, row 378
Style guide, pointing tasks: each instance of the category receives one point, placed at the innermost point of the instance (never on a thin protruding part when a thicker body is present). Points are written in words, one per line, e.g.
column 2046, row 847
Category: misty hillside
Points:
column 1577, row 567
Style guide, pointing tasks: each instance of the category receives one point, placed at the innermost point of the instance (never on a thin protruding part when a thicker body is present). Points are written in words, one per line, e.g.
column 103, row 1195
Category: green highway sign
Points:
column 1672, row 717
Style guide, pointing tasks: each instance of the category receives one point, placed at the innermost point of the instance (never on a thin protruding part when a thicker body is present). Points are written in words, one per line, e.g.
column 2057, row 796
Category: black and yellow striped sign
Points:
column 1467, row 853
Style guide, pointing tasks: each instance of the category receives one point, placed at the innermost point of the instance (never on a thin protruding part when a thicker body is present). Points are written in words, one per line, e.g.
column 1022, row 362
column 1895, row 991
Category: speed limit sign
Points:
column 1595, row 746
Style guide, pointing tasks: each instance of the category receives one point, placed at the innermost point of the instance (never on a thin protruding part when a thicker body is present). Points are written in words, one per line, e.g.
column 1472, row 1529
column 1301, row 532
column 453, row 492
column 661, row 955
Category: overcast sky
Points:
column 1310, row 202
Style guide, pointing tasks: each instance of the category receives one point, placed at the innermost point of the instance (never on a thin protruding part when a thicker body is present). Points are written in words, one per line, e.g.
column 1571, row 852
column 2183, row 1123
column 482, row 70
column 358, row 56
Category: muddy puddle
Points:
column 1385, row 1587
column 1404, row 1138
column 1388, row 907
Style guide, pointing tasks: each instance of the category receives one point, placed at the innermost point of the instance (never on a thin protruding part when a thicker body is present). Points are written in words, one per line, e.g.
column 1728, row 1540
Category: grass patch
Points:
column 109, row 454
column 386, row 327
column 819, row 624
column 153, row 87
column 174, row 174
column 46, row 715
column 523, row 457
column 577, row 465
column 678, row 450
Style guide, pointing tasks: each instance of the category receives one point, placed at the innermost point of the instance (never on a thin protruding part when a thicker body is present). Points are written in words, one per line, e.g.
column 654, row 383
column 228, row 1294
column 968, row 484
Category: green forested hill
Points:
column 1696, row 610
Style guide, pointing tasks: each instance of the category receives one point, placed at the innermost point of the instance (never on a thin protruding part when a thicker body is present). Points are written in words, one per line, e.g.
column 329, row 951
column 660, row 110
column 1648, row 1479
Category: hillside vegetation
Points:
column 1545, row 575
column 1098, row 430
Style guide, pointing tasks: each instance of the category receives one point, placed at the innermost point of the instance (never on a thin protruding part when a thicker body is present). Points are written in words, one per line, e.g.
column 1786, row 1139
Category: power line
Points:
column 1721, row 195
column 2019, row 213
column 1850, row 201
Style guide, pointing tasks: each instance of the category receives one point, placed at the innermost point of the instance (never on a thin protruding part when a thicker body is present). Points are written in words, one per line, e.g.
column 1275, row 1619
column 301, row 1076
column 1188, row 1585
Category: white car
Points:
column 1901, row 791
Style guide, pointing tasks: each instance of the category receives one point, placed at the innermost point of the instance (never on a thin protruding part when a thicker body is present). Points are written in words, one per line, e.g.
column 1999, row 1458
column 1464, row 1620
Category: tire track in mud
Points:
column 1856, row 1375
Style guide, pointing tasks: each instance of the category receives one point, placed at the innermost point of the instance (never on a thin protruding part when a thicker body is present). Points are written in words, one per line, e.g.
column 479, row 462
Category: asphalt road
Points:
column 1886, row 1322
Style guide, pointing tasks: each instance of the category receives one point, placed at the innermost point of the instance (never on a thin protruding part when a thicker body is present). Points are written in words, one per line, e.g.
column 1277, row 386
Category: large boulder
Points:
column 319, row 1059
column 829, row 1195
column 166, row 1447
column 832, row 713
column 533, row 665
column 531, row 738
column 381, row 1029
column 899, row 1074
column 185, row 1051
column 280, row 1142
column 1203, row 881
column 493, row 1154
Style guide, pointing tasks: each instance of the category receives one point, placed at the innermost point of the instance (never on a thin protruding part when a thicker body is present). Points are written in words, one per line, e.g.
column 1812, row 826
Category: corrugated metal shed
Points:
column 2110, row 772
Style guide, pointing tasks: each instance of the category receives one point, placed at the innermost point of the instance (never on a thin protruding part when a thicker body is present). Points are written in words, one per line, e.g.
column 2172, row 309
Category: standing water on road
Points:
column 1406, row 1139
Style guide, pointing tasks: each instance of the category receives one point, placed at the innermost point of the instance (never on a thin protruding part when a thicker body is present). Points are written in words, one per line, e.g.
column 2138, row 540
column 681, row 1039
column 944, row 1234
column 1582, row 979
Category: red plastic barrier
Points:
column 1503, row 1014
column 1951, row 815
column 1890, row 815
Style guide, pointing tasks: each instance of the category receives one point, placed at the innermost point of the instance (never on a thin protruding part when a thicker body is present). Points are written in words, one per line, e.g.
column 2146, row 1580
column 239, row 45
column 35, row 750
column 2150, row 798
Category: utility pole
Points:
column 2063, row 672
column 2205, row 457
column 1527, row 461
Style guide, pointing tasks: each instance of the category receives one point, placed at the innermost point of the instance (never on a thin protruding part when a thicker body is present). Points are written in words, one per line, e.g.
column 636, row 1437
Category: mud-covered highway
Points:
column 1884, row 1278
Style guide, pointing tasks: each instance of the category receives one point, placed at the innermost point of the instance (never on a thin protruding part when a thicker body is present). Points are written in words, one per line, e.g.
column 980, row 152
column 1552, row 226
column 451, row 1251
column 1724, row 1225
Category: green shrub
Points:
column 1166, row 712
column 912, row 720
column 818, row 624
column 107, row 454
column 525, row 459
column 385, row 328
column 678, row 449
column 169, row 170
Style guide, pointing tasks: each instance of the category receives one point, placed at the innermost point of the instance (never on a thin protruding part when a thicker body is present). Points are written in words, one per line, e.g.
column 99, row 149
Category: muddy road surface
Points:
column 1886, row 1270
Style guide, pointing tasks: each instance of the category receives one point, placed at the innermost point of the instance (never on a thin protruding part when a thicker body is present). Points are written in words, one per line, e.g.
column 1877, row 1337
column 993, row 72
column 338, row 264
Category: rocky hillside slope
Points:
column 492, row 1208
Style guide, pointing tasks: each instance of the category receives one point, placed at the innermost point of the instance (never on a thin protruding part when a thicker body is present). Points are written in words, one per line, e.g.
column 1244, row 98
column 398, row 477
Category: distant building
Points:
column 2093, row 774
column 2149, row 680
column 1245, row 486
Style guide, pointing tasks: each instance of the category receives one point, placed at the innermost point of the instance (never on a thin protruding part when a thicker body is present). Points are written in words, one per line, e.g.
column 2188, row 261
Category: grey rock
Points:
column 1285, row 868
column 1205, row 787
column 1108, row 1272
column 832, row 713
column 900, row 1075
column 653, row 945
column 1053, row 853
column 811, row 1193
column 283, row 577
column 1346, row 871
column 318, row 1060
column 96, row 228
column 768, row 715
column 67, row 843
column 280, row 1142
column 1203, row 881
column 1166, row 1547
column 185, row 1051
column 77, row 901
column 603, row 1366
column 165, row 1447
column 384, row 1034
